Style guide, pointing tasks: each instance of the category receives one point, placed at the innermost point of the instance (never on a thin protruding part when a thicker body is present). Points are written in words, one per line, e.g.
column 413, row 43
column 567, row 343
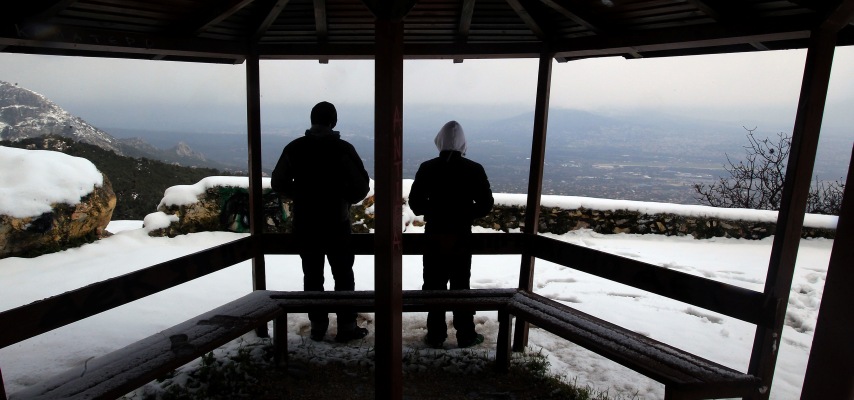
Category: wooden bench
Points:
column 685, row 376
column 128, row 368
column 119, row 372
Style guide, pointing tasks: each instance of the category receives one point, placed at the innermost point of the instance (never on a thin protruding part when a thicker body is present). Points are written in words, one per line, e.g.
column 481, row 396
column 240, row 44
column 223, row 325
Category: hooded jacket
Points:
column 450, row 191
column 323, row 175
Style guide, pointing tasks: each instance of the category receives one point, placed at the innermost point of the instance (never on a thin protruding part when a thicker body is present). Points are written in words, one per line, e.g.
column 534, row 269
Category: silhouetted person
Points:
column 324, row 176
column 450, row 191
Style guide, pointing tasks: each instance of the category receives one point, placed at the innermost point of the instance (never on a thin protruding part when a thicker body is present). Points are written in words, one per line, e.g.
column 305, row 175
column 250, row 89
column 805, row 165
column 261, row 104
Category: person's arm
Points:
column 357, row 182
column 282, row 180
column 418, row 201
column 483, row 200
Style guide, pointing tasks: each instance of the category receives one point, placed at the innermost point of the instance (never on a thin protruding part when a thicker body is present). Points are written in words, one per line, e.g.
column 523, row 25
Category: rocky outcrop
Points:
column 63, row 227
column 223, row 208
column 226, row 208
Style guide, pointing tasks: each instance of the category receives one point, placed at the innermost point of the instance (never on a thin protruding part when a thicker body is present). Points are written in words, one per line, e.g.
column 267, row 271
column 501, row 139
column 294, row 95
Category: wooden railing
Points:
column 42, row 316
column 33, row 319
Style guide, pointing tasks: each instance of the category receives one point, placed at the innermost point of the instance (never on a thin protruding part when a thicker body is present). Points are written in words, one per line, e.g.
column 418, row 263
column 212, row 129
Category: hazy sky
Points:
column 761, row 87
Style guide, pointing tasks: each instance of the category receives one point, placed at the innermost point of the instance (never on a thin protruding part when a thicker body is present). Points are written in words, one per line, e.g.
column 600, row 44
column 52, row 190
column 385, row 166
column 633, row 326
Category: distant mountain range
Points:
column 25, row 114
column 645, row 157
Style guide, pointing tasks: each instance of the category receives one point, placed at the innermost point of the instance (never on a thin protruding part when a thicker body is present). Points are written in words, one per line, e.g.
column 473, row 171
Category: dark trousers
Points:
column 447, row 259
column 333, row 245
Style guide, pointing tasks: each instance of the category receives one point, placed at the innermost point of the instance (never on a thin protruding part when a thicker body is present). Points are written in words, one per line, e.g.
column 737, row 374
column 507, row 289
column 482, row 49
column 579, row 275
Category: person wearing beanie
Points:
column 323, row 175
column 450, row 191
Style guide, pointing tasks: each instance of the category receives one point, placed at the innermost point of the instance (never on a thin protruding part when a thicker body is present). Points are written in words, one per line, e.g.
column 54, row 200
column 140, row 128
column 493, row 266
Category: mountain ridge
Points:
column 25, row 114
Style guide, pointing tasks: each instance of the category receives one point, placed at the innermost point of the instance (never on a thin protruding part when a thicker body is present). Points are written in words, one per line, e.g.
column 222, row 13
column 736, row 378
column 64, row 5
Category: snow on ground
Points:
column 720, row 338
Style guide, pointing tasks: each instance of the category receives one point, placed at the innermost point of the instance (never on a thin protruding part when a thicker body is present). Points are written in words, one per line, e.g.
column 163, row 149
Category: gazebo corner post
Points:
column 388, row 175
column 256, row 201
column 787, row 236
column 830, row 369
column 535, row 188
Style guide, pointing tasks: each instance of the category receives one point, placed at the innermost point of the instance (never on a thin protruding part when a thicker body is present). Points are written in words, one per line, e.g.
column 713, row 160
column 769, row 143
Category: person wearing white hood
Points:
column 450, row 191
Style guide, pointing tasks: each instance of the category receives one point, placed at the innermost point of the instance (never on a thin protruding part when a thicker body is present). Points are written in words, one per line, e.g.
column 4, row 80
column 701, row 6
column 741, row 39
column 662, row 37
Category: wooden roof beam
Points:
column 64, row 38
column 273, row 9
column 692, row 37
column 466, row 14
column 839, row 17
column 727, row 12
column 33, row 10
column 577, row 12
column 532, row 18
column 216, row 16
column 321, row 26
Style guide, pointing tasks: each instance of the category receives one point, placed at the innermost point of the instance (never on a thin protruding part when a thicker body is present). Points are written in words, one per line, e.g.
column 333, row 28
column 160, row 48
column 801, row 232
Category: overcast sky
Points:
column 761, row 87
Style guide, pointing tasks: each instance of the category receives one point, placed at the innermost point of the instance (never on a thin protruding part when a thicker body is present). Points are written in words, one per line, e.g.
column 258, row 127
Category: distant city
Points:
column 587, row 154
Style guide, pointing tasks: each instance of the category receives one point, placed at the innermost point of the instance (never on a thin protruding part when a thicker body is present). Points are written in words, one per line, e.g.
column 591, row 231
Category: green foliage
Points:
column 139, row 183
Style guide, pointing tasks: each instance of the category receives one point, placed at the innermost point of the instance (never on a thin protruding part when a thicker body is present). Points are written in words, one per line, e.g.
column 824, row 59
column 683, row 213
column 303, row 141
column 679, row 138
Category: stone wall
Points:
column 227, row 209
column 559, row 221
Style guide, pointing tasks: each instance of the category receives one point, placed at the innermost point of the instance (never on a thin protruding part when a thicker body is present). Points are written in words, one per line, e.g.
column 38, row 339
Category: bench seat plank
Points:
column 413, row 300
column 680, row 371
column 128, row 368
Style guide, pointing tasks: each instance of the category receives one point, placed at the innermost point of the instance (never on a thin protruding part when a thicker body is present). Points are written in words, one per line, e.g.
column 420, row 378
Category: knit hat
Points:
column 324, row 113
column 451, row 137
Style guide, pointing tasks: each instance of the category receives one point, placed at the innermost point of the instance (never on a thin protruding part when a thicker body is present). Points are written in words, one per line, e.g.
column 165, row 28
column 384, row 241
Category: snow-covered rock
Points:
column 50, row 201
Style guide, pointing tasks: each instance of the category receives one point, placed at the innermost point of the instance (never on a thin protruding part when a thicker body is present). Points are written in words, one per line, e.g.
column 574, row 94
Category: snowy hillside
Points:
column 25, row 114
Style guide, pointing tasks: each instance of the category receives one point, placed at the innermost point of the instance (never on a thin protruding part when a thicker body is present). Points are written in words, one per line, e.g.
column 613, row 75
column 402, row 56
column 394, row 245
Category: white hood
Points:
column 451, row 137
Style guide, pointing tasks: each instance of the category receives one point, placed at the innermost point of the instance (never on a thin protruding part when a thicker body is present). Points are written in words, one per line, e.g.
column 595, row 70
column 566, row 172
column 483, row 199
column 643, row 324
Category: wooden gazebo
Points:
column 389, row 31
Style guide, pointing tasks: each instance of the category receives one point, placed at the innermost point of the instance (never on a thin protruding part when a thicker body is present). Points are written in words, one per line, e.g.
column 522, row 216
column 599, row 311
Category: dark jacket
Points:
column 450, row 191
column 323, row 175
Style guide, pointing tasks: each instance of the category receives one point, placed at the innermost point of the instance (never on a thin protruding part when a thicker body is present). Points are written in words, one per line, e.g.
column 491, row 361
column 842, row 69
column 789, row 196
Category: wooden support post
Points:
column 2, row 387
column 790, row 219
column 388, row 171
column 256, row 206
column 280, row 340
column 830, row 370
column 503, row 345
column 535, row 187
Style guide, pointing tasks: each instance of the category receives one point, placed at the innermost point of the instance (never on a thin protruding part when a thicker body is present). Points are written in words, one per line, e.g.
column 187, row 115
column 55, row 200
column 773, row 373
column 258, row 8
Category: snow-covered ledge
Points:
column 205, row 201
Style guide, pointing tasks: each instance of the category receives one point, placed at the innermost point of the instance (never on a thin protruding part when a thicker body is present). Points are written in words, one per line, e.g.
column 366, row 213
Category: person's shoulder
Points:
column 344, row 143
column 471, row 163
column 297, row 142
column 431, row 162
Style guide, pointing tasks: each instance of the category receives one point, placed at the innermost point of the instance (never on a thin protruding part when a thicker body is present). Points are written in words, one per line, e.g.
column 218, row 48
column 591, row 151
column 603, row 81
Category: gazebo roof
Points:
column 224, row 31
